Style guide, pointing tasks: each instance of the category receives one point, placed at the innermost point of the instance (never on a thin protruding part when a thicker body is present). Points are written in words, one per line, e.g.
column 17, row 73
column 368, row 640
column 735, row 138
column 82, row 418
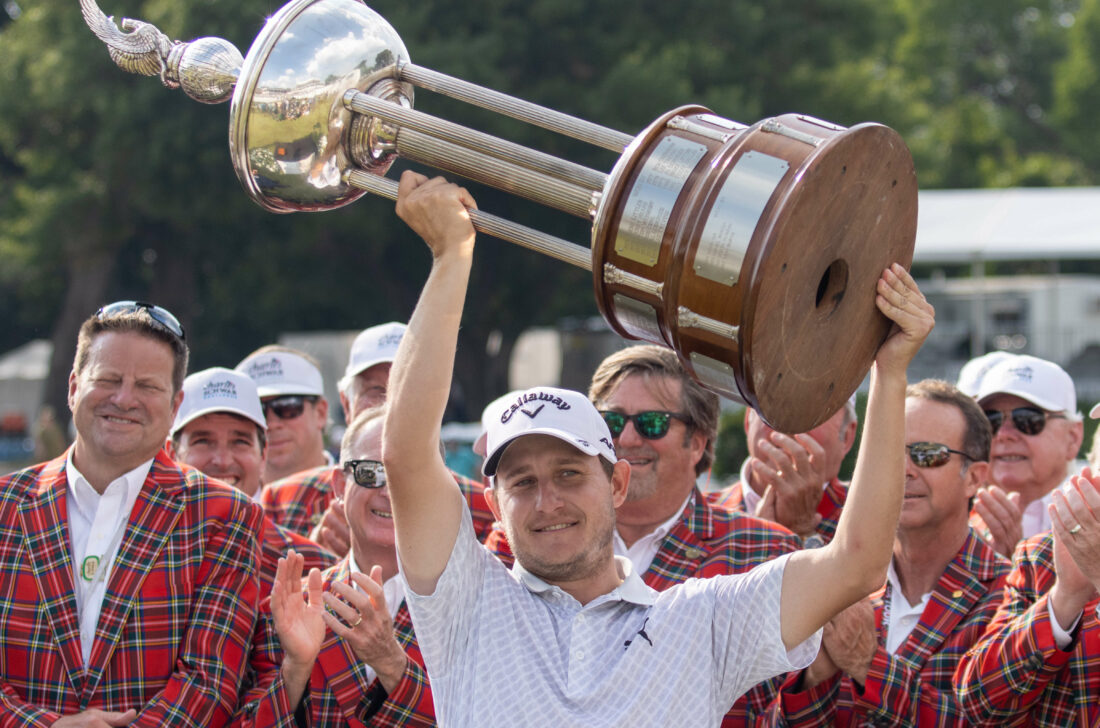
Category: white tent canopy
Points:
column 1020, row 223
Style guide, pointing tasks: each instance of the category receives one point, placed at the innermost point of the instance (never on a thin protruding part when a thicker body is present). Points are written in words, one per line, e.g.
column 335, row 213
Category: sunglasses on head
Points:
column 160, row 316
column 651, row 425
column 367, row 473
column 288, row 407
column 1028, row 420
column 931, row 454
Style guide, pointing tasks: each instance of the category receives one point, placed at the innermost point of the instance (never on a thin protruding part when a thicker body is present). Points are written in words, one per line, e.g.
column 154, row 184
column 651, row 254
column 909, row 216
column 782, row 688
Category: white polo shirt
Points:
column 504, row 648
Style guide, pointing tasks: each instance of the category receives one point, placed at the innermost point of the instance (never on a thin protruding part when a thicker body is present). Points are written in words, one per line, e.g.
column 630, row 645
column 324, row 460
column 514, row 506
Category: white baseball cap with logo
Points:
column 376, row 345
column 282, row 372
column 974, row 371
column 560, row 413
column 1042, row 383
column 219, row 390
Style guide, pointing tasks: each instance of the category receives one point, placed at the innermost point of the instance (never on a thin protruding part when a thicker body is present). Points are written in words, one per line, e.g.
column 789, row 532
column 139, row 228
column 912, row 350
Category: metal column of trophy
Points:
column 752, row 251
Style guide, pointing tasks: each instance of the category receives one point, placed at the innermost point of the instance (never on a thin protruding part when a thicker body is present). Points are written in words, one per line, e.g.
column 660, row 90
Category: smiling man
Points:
column 1037, row 431
column 573, row 636
column 130, row 581
column 220, row 429
column 357, row 663
column 890, row 660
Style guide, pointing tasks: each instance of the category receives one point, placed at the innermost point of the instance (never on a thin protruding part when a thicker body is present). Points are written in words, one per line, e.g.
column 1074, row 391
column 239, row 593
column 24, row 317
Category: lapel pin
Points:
column 957, row 593
column 88, row 567
column 693, row 553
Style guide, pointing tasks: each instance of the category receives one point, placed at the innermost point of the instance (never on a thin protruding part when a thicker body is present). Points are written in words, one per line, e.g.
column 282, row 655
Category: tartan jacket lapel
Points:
column 684, row 548
column 965, row 580
column 335, row 659
column 156, row 511
column 44, row 518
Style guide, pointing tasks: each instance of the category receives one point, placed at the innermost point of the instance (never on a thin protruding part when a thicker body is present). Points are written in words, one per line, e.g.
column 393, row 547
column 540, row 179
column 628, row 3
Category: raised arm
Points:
column 427, row 504
column 818, row 583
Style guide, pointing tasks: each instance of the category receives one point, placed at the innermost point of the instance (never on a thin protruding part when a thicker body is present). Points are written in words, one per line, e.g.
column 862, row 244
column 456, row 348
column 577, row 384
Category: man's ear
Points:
column 977, row 475
column 620, row 482
column 339, row 481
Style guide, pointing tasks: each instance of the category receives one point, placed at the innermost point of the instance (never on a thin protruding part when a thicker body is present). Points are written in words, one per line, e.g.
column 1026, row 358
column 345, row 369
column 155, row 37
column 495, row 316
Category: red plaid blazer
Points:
column 707, row 542
column 339, row 692
column 832, row 500
column 276, row 542
column 1016, row 675
column 175, row 626
column 913, row 686
column 298, row 502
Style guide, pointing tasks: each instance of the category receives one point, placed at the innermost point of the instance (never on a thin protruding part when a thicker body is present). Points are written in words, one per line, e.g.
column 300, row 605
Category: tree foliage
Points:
column 112, row 186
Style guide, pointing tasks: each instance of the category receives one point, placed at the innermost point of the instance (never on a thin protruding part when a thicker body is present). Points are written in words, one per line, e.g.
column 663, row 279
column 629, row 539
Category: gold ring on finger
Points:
column 356, row 622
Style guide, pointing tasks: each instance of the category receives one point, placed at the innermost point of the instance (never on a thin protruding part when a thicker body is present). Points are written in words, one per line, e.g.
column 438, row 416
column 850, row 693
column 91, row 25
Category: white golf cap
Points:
column 972, row 373
column 1042, row 383
column 376, row 345
column 487, row 414
column 282, row 372
column 219, row 390
column 560, row 413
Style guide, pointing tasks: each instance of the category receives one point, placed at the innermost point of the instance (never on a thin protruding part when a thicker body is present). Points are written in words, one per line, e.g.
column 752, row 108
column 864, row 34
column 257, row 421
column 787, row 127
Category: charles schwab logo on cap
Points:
column 1023, row 373
column 260, row 369
column 219, row 390
column 525, row 404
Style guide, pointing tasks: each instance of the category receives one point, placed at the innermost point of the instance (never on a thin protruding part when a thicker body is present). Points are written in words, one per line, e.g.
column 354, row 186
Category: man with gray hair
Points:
column 1031, row 404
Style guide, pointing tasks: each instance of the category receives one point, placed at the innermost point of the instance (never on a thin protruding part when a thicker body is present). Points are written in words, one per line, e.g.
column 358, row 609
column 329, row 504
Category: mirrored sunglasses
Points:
column 288, row 407
column 161, row 316
column 651, row 425
column 1028, row 420
column 367, row 473
column 931, row 454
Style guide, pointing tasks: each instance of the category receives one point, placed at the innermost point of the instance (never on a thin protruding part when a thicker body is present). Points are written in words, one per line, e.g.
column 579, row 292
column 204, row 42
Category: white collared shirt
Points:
column 903, row 616
column 394, row 591
column 504, row 648
column 97, row 524
column 644, row 550
column 1035, row 518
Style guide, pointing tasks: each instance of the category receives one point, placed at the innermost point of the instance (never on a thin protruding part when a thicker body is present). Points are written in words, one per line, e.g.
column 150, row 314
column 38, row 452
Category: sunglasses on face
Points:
column 1028, row 420
column 931, row 454
column 367, row 473
column 650, row 425
column 288, row 407
column 161, row 316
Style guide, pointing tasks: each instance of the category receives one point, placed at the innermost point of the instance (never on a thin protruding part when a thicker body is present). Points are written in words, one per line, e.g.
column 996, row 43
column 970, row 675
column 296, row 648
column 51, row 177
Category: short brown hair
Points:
column 138, row 322
column 979, row 434
column 699, row 405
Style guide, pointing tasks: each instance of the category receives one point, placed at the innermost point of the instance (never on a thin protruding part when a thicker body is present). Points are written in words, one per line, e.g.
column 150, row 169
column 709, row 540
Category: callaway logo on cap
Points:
column 560, row 413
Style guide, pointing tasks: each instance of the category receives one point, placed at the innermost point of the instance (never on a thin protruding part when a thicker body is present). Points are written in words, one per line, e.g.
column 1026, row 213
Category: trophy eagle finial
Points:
column 138, row 47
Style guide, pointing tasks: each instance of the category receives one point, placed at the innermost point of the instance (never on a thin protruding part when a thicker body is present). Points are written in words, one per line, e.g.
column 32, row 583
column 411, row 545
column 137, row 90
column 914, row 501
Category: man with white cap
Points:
column 293, row 396
column 572, row 636
column 794, row 480
column 301, row 502
column 220, row 430
column 1032, row 405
